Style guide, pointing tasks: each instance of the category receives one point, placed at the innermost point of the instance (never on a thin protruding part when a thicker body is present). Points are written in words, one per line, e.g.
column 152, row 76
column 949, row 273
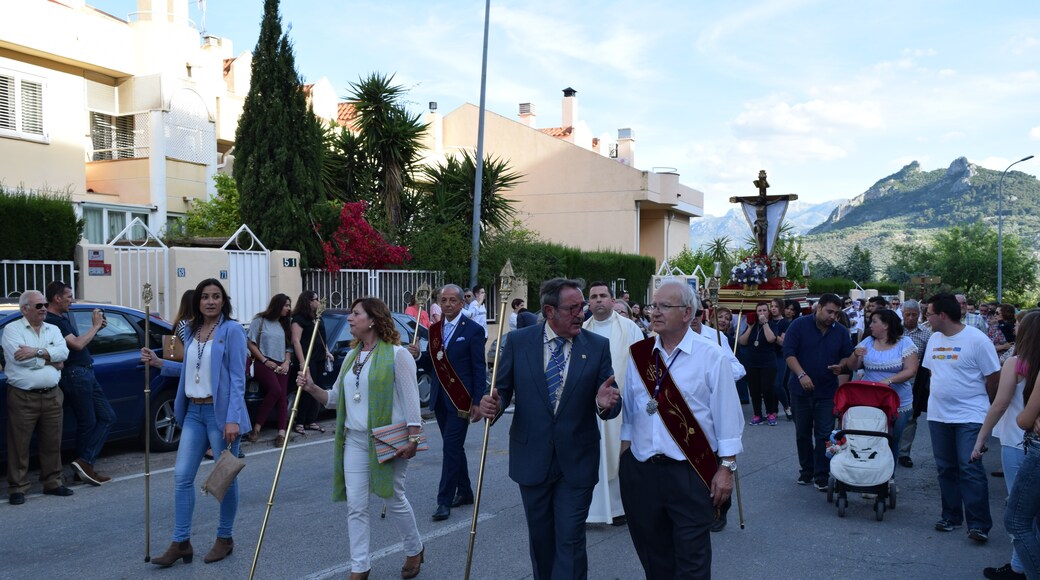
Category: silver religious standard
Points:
column 651, row 407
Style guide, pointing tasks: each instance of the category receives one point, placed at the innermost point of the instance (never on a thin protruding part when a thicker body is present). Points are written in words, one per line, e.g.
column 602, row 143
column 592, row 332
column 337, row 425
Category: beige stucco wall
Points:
column 184, row 179
column 58, row 163
column 119, row 180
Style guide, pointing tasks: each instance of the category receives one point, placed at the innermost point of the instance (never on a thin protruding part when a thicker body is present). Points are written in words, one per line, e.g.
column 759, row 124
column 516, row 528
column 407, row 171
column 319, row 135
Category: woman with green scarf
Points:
column 376, row 387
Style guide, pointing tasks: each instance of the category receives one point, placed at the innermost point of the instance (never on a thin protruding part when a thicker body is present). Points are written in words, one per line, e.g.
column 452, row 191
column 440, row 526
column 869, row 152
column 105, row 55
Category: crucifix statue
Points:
column 764, row 213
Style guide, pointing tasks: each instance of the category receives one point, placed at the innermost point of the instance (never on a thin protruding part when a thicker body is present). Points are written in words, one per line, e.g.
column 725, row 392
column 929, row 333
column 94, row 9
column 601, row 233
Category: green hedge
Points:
column 37, row 225
column 540, row 261
column 841, row 286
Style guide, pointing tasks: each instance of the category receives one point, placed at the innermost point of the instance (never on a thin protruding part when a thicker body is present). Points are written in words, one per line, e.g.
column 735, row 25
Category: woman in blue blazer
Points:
column 210, row 407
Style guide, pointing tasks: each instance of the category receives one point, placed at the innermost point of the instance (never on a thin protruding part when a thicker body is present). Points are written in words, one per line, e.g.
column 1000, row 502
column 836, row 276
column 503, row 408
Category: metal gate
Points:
column 341, row 287
column 140, row 262
column 17, row 276
column 249, row 274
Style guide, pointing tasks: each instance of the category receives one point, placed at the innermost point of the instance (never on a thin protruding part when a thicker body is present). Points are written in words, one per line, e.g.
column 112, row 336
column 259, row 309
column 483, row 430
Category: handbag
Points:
column 389, row 439
column 224, row 472
column 172, row 348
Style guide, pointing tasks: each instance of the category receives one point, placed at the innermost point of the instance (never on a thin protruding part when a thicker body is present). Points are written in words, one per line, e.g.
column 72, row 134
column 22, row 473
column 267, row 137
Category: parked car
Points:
column 117, row 365
column 338, row 330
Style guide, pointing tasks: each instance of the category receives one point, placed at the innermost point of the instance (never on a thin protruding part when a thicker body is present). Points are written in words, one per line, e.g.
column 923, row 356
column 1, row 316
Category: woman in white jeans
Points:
column 376, row 387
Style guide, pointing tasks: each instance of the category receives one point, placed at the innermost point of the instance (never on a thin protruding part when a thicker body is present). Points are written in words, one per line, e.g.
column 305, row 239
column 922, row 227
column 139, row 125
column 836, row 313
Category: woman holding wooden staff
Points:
column 210, row 407
column 376, row 387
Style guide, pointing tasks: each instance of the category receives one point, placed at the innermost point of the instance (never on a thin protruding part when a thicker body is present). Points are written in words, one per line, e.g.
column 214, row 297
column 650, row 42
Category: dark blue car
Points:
column 118, row 367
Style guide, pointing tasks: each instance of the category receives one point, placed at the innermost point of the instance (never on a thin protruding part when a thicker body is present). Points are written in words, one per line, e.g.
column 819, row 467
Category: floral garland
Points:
column 753, row 270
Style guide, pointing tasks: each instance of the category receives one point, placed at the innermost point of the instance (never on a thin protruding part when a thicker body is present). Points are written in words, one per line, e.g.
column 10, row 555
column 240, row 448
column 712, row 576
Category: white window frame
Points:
column 20, row 119
column 129, row 210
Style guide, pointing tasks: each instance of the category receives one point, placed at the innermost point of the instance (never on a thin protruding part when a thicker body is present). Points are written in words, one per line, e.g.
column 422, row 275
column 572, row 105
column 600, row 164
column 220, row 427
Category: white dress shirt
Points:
column 718, row 339
column 706, row 382
column 33, row 373
column 548, row 347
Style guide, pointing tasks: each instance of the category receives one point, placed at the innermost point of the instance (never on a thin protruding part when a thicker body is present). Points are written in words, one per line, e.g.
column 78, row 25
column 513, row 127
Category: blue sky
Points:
column 827, row 97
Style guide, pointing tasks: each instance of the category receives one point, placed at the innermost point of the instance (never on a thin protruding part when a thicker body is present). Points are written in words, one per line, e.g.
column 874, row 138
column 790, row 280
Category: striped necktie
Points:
column 554, row 371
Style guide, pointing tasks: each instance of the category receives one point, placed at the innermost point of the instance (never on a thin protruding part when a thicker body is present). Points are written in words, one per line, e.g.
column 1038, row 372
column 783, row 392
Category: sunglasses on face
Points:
column 39, row 306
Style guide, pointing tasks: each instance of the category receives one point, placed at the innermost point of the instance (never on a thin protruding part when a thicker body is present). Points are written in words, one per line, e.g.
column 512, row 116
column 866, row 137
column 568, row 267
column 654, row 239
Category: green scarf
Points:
column 380, row 411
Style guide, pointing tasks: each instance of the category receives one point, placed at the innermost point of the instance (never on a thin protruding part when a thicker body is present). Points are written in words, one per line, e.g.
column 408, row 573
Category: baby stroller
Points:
column 861, row 458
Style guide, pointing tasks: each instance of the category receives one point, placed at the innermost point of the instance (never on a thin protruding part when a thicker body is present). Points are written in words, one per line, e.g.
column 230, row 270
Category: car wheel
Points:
column 424, row 390
column 162, row 427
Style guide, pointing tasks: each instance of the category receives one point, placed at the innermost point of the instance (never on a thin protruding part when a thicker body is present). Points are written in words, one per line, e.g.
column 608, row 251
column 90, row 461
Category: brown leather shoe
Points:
column 359, row 575
column 253, row 436
column 412, row 564
column 86, row 472
column 176, row 551
column 221, row 549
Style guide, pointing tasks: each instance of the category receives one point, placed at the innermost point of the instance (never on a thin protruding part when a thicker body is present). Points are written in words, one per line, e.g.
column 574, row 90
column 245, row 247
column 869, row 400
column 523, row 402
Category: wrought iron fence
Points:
column 21, row 275
column 393, row 287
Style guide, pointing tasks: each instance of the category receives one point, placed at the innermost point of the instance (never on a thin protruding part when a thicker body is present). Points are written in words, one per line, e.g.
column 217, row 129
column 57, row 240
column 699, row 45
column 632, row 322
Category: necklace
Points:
column 651, row 405
column 359, row 363
column 758, row 334
column 201, row 349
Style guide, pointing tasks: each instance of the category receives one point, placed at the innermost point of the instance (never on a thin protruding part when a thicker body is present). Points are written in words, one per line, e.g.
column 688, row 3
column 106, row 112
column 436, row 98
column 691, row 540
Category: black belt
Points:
column 662, row 459
column 41, row 391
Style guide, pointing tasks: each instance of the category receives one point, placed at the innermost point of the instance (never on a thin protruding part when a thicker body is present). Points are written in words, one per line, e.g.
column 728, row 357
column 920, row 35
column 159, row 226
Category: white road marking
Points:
column 343, row 569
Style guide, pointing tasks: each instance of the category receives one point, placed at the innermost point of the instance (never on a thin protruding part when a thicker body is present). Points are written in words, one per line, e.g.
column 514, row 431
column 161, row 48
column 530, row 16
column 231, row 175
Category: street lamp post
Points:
column 1000, row 231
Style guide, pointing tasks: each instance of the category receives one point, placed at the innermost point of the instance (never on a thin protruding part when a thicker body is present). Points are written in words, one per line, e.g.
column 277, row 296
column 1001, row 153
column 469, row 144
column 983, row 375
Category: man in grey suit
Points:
column 560, row 378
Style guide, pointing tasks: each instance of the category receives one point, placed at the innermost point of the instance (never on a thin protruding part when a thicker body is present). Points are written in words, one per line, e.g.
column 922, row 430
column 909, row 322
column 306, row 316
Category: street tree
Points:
column 279, row 148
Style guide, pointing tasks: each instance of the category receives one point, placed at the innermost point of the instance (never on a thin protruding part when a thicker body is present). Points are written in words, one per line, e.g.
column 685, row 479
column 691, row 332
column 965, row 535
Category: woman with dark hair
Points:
column 777, row 308
column 760, row 362
column 1023, row 506
column 890, row 358
column 272, row 356
column 376, row 387
column 996, row 334
column 183, row 317
column 304, row 316
column 1001, row 421
column 210, row 407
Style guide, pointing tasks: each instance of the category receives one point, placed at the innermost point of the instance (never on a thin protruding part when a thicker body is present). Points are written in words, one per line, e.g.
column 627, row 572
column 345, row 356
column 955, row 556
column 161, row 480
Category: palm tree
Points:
column 448, row 189
column 391, row 138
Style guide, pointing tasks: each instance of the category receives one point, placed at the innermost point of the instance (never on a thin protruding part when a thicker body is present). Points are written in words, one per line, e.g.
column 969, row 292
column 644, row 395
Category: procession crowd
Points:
column 622, row 414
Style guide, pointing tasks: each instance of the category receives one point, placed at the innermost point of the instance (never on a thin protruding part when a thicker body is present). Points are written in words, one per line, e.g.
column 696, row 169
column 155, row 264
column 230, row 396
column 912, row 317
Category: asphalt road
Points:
column 791, row 531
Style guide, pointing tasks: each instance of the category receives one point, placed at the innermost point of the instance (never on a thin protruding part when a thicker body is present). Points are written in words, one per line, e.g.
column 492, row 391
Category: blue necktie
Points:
column 554, row 371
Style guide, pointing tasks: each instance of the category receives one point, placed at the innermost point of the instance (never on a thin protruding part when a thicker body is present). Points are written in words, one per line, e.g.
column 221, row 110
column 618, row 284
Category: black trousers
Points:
column 669, row 518
column 760, row 383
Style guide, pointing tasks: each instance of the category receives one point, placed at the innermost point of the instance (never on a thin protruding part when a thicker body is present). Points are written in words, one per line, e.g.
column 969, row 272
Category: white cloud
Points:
column 1034, row 133
column 953, row 136
column 1022, row 44
column 815, row 117
column 919, row 52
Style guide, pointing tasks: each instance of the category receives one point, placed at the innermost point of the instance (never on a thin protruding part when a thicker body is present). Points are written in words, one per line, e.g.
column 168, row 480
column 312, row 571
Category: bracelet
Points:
column 799, row 377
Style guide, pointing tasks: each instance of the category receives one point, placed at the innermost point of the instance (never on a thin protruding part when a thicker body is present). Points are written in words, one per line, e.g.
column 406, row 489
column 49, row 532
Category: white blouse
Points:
column 202, row 388
column 406, row 393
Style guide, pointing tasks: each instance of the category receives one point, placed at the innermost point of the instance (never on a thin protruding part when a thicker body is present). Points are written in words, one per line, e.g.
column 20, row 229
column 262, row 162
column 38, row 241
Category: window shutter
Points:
column 32, row 107
column 7, row 118
column 125, row 137
column 101, row 136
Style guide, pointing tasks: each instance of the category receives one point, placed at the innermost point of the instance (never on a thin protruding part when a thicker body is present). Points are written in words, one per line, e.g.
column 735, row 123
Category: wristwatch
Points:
column 414, row 439
column 730, row 465
column 40, row 352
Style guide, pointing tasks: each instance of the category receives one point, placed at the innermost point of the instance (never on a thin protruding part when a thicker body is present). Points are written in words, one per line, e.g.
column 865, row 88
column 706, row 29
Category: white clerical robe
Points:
column 606, row 496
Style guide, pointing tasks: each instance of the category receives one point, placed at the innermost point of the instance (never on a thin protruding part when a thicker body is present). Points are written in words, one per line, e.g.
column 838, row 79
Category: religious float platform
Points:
column 740, row 298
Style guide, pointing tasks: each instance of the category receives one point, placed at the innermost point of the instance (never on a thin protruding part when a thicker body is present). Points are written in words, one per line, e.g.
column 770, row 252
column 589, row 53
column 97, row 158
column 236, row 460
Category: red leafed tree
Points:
column 356, row 244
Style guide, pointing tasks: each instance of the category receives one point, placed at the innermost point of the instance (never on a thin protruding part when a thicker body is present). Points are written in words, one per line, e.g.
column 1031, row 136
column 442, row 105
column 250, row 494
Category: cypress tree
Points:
column 278, row 148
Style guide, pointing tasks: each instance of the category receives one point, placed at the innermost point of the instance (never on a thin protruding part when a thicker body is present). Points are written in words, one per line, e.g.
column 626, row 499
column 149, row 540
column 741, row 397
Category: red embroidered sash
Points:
column 457, row 392
column 674, row 412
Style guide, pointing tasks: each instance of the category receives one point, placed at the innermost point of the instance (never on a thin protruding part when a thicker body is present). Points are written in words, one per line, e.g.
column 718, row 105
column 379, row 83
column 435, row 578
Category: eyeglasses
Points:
column 39, row 306
column 663, row 306
column 572, row 309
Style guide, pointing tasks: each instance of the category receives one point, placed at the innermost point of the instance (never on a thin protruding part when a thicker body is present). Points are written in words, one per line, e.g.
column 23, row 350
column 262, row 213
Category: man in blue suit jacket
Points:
column 461, row 342
column 560, row 378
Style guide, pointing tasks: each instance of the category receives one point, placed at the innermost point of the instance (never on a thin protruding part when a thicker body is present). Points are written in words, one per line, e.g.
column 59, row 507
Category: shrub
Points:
column 38, row 225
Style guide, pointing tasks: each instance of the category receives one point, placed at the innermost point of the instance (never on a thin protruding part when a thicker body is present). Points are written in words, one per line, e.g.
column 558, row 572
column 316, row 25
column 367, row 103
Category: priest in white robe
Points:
column 622, row 333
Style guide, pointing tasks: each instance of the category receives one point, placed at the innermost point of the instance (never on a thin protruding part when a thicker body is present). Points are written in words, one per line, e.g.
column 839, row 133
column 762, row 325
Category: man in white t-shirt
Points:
column 964, row 370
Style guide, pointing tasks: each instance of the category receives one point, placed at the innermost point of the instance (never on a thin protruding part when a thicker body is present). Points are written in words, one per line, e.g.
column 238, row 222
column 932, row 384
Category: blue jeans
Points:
column 813, row 423
column 897, row 431
column 1022, row 509
column 960, row 483
column 90, row 406
column 200, row 432
column 1011, row 459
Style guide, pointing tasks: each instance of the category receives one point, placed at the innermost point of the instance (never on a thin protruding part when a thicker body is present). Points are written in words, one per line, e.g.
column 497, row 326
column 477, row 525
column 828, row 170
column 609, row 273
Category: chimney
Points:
column 527, row 115
column 570, row 107
column 435, row 126
column 626, row 147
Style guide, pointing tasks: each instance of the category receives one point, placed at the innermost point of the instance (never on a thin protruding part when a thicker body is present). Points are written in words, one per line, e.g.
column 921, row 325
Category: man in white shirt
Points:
column 622, row 333
column 689, row 378
column 475, row 309
column 33, row 354
column 718, row 339
column 964, row 370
